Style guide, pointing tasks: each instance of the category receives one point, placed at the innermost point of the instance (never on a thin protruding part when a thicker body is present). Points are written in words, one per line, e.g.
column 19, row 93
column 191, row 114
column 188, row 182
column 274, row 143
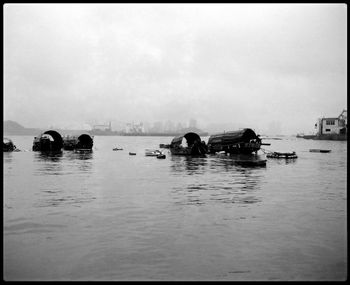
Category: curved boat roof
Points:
column 190, row 138
column 233, row 137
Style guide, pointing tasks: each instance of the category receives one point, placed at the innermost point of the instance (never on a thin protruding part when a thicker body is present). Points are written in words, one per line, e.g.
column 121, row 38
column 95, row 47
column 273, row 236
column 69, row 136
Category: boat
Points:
column 82, row 142
column 50, row 140
column 161, row 156
column 132, row 153
column 116, row 148
column 244, row 141
column 8, row 145
column 285, row 155
column 188, row 144
column 162, row 145
column 320, row 150
column 152, row 152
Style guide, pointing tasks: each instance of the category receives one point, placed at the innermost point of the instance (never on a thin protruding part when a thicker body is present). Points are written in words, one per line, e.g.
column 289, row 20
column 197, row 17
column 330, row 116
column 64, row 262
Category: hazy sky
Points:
column 261, row 66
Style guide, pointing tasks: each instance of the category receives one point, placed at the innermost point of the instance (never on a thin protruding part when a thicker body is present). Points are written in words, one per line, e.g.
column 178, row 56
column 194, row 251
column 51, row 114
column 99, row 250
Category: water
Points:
column 110, row 216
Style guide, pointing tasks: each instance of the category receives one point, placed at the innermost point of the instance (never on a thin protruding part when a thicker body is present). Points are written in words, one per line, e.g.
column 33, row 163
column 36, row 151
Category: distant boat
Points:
column 320, row 150
column 155, row 152
column 116, row 148
column 285, row 155
column 161, row 156
column 132, row 153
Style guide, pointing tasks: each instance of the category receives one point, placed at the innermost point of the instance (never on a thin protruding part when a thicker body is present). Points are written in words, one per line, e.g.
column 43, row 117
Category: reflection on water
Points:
column 235, row 184
column 188, row 165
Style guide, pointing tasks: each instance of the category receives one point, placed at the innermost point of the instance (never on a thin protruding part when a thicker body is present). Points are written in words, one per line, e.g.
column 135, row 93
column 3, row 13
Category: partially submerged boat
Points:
column 284, row 155
column 81, row 142
column 48, row 141
column 244, row 141
column 8, row 145
column 188, row 144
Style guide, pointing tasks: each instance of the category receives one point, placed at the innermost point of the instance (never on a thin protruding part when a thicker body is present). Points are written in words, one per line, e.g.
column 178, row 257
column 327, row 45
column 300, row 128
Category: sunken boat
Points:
column 48, row 141
column 188, row 144
column 80, row 142
column 244, row 141
column 8, row 145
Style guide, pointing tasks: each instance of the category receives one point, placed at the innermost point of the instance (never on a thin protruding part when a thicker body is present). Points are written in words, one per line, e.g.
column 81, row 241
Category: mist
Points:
column 274, row 68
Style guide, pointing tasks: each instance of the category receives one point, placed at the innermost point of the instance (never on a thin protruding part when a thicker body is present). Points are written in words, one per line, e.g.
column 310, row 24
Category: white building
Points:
column 334, row 125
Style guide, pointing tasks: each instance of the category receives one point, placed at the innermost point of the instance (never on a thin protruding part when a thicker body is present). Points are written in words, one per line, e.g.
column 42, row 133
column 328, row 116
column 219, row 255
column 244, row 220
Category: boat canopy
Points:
column 190, row 138
column 85, row 141
column 57, row 142
column 233, row 137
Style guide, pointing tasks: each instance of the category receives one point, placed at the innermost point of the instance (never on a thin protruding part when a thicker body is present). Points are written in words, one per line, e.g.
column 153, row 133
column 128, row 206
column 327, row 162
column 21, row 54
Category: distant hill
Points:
column 13, row 128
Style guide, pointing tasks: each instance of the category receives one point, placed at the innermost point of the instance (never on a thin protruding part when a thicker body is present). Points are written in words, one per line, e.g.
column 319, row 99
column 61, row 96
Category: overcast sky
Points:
column 262, row 66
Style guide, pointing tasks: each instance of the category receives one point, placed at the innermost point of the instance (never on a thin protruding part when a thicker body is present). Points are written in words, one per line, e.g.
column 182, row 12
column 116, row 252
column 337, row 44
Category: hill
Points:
column 13, row 128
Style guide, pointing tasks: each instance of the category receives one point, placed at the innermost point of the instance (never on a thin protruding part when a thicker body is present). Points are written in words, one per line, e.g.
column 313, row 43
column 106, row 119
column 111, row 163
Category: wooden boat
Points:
column 320, row 150
column 83, row 141
column 243, row 141
column 188, row 144
column 48, row 141
column 285, row 155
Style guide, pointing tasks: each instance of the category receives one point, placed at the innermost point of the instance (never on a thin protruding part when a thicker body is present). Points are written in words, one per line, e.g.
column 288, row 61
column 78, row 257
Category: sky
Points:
column 275, row 68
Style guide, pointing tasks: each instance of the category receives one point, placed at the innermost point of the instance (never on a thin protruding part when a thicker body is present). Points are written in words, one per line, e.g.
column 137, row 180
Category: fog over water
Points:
column 271, row 67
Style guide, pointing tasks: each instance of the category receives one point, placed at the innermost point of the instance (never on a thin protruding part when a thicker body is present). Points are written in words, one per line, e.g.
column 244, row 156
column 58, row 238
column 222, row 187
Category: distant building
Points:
column 333, row 125
column 102, row 127
column 134, row 128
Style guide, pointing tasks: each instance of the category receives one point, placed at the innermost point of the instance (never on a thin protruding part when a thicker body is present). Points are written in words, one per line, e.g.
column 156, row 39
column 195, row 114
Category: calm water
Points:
column 110, row 216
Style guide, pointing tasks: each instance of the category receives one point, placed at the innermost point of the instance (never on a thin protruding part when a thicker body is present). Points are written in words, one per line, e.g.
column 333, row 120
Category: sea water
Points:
column 106, row 215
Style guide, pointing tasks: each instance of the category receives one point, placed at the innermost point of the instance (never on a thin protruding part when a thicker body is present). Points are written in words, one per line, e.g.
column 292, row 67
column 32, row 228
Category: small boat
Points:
column 116, row 148
column 152, row 152
column 161, row 156
column 282, row 155
column 162, row 145
column 132, row 153
column 320, row 150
